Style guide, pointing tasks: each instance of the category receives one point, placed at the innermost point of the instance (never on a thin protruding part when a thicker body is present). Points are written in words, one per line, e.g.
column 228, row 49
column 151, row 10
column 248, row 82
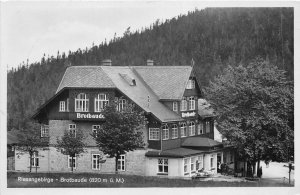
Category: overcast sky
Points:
column 30, row 29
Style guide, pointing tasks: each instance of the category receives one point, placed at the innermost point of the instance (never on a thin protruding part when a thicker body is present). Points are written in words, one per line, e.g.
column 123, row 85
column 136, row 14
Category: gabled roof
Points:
column 85, row 77
column 199, row 142
column 135, row 82
column 167, row 82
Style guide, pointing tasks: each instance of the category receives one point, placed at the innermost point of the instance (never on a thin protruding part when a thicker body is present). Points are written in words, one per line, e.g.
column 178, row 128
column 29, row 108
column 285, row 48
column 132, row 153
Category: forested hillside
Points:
column 213, row 38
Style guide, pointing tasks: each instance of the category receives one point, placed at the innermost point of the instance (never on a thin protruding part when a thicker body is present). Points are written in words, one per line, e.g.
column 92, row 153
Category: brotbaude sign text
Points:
column 89, row 116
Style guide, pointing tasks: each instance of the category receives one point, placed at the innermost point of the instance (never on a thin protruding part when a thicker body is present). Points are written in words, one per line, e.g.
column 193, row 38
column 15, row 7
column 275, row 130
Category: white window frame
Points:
column 186, row 166
column 81, row 103
column 183, row 130
column 175, row 106
column 96, row 162
column 165, row 132
column 121, row 163
column 164, row 163
column 192, row 103
column 211, row 162
column 200, row 162
column 191, row 84
column 174, row 131
column 193, row 164
column 101, row 100
column 121, row 104
column 35, row 160
column 72, row 129
column 192, row 128
column 62, row 106
column 70, row 159
column 94, row 129
column 153, row 133
column 44, row 130
column 200, row 128
column 207, row 126
column 183, row 104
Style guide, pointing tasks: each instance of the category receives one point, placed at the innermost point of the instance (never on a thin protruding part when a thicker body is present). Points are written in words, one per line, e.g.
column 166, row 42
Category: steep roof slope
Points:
column 167, row 82
column 85, row 76
column 140, row 93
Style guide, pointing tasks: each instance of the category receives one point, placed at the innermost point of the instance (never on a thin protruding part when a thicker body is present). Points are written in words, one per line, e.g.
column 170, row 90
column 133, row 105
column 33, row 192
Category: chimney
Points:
column 150, row 62
column 106, row 62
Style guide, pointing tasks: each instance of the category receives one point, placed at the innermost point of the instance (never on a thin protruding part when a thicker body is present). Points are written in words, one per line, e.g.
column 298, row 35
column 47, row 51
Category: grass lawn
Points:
column 90, row 180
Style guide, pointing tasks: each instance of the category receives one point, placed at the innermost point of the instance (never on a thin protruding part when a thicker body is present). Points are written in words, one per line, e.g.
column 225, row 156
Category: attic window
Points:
column 191, row 84
column 129, row 80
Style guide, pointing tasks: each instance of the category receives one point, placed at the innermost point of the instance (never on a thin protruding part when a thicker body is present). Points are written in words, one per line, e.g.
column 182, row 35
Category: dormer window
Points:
column 100, row 102
column 191, row 84
column 81, row 103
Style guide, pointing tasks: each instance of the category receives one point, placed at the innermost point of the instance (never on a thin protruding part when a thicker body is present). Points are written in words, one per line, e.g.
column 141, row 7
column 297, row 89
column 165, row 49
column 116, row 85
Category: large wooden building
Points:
column 179, row 136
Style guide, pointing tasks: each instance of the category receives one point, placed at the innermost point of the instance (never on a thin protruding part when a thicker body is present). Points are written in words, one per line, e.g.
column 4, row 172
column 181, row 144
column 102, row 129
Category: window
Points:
column 100, row 102
column 193, row 164
column 95, row 129
column 174, row 131
column 81, row 103
column 70, row 162
column 212, row 161
column 163, row 165
column 165, row 130
column 45, row 131
column 72, row 129
column 199, row 163
column 175, row 106
column 153, row 134
column 192, row 103
column 192, row 128
column 183, row 104
column 185, row 166
column 35, row 159
column 183, row 130
column 191, row 84
column 207, row 127
column 67, row 109
column 122, row 104
column 121, row 163
column 200, row 128
column 62, row 106
column 96, row 161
